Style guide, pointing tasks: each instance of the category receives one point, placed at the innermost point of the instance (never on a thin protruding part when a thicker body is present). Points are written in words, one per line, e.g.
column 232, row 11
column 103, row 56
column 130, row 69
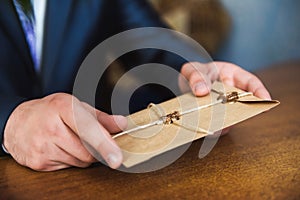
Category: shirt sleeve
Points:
column 4, row 149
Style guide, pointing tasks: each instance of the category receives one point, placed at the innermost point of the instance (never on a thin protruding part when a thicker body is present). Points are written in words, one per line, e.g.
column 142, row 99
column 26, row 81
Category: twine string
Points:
column 170, row 118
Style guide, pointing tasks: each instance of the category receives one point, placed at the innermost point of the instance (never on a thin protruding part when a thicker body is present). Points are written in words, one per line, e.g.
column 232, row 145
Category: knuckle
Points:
column 187, row 66
column 60, row 101
column 37, row 145
column 40, row 149
column 88, row 159
column 184, row 66
column 37, row 163
column 52, row 129
column 85, row 165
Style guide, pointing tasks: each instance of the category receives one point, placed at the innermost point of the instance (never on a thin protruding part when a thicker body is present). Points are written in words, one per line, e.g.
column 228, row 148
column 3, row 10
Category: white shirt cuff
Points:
column 4, row 149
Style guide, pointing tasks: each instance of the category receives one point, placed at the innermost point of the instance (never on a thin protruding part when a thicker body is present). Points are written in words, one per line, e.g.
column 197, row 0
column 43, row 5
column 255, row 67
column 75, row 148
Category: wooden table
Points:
column 259, row 159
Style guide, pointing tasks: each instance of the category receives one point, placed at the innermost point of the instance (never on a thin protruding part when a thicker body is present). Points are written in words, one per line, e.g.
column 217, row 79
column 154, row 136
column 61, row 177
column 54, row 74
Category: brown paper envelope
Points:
column 144, row 144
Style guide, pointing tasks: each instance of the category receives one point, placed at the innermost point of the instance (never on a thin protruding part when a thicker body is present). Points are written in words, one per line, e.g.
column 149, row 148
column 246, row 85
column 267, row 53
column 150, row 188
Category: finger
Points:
column 262, row 93
column 56, row 159
column 200, row 84
column 225, row 130
column 87, row 127
column 49, row 162
column 64, row 158
column 54, row 166
column 112, row 123
column 233, row 75
column 68, row 162
column 71, row 144
column 183, row 84
column 189, row 68
column 198, row 76
column 250, row 83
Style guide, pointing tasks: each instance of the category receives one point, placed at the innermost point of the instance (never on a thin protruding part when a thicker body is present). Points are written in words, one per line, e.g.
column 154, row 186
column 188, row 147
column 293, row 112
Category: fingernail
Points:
column 200, row 88
column 113, row 161
column 121, row 121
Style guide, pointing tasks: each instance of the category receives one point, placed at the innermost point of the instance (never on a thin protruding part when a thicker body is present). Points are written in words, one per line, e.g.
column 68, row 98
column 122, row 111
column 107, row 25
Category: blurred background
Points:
column 251, row 33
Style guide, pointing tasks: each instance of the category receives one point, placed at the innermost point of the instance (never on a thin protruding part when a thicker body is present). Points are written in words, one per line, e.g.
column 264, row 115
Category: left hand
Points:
column 200, row 77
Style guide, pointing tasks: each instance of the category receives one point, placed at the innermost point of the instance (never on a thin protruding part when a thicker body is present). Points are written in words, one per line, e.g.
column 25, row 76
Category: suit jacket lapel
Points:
column 9, row 20
column 56, row 22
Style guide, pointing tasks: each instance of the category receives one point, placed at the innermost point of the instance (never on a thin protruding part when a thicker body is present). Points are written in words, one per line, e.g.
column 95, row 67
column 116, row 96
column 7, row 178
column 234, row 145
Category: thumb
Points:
column 201, row 88
column 199, row 77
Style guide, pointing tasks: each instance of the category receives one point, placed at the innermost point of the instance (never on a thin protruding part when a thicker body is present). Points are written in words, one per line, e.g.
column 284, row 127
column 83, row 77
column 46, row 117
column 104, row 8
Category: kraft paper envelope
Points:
column 139, row 146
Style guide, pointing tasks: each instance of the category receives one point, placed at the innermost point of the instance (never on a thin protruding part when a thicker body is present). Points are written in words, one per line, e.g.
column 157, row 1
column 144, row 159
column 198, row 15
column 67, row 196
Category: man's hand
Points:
column 42, row 134
column 200, row 76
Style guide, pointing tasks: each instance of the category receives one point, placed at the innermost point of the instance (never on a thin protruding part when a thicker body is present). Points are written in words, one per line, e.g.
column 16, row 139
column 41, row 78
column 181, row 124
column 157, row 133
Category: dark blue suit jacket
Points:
column 72, row 30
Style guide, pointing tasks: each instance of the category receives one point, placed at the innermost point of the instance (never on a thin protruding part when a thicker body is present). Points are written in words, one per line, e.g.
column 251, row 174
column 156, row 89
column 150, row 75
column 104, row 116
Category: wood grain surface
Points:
column 258, row 159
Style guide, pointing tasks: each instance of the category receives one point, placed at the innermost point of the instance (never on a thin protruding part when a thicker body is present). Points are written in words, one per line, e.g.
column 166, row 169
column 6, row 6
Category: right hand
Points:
column 42, row 134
